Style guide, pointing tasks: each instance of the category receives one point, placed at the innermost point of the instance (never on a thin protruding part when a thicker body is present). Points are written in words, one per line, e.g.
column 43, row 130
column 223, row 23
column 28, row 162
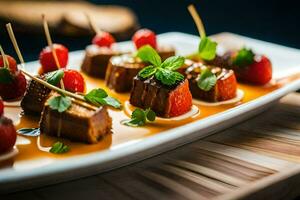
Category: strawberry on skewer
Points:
column 144, row 37
column 47, row 59
column 102, row 38
column 54, row 56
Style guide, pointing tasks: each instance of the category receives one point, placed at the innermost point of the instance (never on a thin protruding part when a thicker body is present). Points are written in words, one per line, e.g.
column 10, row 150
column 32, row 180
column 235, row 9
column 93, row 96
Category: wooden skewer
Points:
column 50, row 44
column 197, row 20
column 93, row 24
column 5, row 61
column 13, row 38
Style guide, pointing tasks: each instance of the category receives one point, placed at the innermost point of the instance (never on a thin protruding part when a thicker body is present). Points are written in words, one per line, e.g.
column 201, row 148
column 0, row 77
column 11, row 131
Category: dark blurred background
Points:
column 275, row 21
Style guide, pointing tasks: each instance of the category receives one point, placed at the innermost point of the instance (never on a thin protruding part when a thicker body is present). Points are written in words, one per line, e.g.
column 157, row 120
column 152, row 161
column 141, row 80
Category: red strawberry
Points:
column 73, row 81
column 143, row 37
column 15, row 89
column 8, row 134
column 260, row 72
column 47, row 60
column 104, row 39
column 1, row 108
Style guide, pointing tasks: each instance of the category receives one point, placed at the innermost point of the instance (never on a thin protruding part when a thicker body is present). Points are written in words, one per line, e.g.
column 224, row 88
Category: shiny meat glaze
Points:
column 79, row 123
column 35, row 97
column 96, row 60
column 193, row 72
column 121, row 71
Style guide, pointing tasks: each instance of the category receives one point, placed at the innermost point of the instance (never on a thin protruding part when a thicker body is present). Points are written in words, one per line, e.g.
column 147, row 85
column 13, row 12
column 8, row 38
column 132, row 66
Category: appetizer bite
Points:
column 147, row 37
column 121, row 70
column 71, row 80
column 212, row 84
column 248, row 67
column 80, row 122
column 37, row 94
column 53, row 56
column 159, row 87
column 209, row 83
column 98, row 53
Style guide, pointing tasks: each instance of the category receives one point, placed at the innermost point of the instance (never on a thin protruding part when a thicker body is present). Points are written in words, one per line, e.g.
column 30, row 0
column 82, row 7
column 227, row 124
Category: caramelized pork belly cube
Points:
column 121, row 71
column 78, row 123
column 35, row 97
column 165, row 101
column 165, row 52
column 224, row 89
column 96, row 60
column 223, row 61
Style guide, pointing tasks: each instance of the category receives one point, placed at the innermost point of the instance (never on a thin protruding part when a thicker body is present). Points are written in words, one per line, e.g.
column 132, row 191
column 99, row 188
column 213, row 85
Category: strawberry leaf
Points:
column 5, row 76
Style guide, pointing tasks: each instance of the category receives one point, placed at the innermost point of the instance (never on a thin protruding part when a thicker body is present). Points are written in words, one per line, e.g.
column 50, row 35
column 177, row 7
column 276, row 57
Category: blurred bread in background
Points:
column 68, row 18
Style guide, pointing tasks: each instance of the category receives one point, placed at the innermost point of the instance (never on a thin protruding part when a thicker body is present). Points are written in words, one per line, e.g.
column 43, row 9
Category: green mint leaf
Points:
column 59, row 103
column 173, row 63
column 29, row 131
column 134, row 123
column 94, row 95
column 244, row 57
column 139, row 114
column 139, row 117
column 207, row 80
column 54, row 77
column 147, row 72
column 5, row 76
column 150, row 114
column 100, row 97
column 110, row 101
column 207, row 48
column 148, row 54
column 168, row 77
column 59, row 148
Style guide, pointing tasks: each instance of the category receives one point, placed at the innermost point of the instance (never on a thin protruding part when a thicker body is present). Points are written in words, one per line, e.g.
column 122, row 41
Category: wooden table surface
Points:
column 257, row 159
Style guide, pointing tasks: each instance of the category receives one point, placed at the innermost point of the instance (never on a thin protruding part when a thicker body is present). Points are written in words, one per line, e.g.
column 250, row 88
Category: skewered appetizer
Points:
column 80, row 122
column 211, row 84
column 12, row 82
column 159, row 87
column 37, row 94
column 121, row 70
column 48, row 61
column 96, row 60
column 248, row 67
column 147, row 37
column 97, row 54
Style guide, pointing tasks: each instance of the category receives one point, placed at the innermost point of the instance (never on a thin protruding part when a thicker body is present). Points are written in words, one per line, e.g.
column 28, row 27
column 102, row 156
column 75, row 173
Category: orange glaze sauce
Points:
column 38, row 147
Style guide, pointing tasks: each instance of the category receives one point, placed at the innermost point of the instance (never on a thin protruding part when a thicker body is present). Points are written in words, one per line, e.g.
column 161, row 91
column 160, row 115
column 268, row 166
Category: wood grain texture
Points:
column 257, row 159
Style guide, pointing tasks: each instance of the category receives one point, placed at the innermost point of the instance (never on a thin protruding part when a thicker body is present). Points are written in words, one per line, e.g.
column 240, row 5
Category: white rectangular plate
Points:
column 285, row 61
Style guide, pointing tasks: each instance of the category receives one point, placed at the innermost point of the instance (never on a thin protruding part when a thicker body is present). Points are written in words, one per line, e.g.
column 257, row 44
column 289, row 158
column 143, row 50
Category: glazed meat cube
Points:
column 35, row 97
column 121, row 71
column 165, row 101
column 96, row 60
column 165, row 52
column 78, row 123
column 224, row 89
